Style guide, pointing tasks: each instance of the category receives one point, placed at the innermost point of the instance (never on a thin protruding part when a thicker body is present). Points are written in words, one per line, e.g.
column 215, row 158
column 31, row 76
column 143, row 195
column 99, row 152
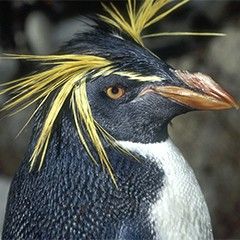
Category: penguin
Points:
column 100, row 163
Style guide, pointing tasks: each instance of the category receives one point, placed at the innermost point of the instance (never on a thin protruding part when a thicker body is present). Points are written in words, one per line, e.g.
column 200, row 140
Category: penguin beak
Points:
column 202, row 93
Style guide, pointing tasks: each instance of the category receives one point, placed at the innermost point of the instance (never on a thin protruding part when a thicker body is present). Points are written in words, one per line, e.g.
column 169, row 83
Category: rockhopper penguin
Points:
column 100, row 164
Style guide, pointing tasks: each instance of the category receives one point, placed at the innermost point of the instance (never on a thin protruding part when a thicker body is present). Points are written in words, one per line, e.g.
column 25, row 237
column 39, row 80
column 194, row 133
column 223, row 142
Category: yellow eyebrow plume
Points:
column 142, row 17
column 68, row 75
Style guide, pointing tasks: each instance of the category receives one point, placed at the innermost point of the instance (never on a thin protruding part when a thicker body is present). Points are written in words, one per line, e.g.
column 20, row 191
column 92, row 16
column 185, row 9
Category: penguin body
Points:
column 57, row 205
column 101, row 162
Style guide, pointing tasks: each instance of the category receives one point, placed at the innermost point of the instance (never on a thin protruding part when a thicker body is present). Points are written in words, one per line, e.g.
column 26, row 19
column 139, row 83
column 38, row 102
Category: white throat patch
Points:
column 180, row 211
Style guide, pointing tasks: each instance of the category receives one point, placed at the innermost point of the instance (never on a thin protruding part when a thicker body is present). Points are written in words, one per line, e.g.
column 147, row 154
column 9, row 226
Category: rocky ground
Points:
column 209, row 140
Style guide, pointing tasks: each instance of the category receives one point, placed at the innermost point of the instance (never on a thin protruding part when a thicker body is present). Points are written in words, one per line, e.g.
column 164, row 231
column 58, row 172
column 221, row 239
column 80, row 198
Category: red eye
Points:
column 115, row 92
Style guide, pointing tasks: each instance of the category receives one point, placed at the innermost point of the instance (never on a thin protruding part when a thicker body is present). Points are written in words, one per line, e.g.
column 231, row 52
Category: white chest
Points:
column 180, row 211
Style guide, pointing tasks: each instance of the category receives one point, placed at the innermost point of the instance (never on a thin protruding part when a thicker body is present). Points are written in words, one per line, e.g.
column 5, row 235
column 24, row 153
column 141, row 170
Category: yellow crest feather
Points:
column 143, row 17
column 68, row 74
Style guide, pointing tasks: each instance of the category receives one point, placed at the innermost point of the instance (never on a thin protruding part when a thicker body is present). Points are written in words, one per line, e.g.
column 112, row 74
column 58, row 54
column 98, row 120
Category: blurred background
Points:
column 210, row 141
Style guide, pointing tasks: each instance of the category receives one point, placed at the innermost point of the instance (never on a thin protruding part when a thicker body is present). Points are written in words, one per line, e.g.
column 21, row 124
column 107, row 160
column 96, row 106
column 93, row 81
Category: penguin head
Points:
column 138, row 99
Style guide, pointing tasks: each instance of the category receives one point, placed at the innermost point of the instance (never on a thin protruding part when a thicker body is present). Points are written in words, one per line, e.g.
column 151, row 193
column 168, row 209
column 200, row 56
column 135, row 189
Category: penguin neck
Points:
column 66, row 157
column 65, row 150
column 154, row 132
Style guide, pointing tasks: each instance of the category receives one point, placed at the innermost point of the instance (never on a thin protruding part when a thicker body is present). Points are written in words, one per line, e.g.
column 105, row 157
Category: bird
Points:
column 100, row 163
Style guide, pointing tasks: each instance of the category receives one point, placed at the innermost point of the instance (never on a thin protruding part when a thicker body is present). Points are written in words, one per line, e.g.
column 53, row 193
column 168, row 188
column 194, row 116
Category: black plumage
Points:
column 71, row 198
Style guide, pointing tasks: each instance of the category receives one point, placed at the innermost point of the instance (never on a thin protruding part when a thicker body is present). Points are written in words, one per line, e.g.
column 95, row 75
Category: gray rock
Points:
column 38, row 30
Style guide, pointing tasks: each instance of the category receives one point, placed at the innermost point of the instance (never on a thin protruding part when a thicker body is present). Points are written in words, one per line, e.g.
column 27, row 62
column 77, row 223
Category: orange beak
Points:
column 203, row 93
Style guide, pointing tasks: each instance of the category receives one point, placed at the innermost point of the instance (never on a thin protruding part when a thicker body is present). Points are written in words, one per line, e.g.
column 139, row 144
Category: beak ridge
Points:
column 208, row 87
column 202, row 92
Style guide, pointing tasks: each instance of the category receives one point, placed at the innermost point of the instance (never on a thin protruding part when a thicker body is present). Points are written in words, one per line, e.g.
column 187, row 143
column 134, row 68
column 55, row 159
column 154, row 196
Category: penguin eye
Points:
column 115, row 92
